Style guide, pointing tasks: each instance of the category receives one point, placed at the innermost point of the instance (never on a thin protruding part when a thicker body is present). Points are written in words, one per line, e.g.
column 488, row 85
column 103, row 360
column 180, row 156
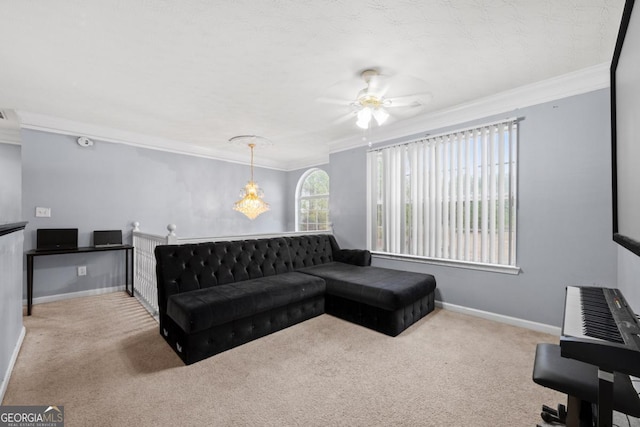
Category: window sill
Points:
column 493, row 268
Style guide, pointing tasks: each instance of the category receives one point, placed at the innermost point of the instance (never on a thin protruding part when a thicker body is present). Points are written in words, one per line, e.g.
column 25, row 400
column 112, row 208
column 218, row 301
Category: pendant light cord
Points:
column 251, row 146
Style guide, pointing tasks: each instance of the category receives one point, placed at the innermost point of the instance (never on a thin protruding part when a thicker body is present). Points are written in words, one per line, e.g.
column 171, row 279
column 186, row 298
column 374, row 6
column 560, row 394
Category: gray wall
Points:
column 564, row 216
column 629, row 277
column 10, row 183
column 108, row 186
column 348, row 197
column 11, row 255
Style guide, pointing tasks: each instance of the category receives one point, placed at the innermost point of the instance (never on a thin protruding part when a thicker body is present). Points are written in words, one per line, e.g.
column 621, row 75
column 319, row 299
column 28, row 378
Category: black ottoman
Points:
column 385, row 300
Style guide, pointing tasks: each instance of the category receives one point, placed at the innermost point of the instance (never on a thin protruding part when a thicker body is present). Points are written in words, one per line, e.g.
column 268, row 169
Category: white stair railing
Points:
column 144, row 244
column 145, row 265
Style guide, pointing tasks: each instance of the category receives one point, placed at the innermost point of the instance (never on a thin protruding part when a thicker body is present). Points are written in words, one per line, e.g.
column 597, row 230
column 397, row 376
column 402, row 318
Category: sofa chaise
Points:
column 218, row 295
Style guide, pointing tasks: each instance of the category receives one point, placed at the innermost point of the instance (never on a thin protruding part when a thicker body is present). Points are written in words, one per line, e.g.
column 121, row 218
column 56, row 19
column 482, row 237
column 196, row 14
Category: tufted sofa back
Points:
column 307, row 251
column 183, row 268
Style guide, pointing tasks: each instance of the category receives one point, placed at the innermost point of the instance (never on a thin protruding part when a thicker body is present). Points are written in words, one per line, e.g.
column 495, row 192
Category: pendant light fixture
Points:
column 251, row 201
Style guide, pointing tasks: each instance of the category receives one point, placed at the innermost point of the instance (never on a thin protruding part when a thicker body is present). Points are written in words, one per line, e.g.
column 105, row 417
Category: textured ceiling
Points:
column 201, row 71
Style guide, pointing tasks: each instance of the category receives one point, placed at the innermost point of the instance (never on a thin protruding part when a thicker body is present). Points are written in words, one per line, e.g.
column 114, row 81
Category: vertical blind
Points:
column 451, row 196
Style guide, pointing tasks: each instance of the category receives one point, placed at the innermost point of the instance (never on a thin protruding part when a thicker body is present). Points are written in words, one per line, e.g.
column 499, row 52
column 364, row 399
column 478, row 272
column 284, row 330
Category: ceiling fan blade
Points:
column 334, row 101
column 401, row 85
column 343, row 88
column 397, row 103
column 344, row 118
column 410, row 100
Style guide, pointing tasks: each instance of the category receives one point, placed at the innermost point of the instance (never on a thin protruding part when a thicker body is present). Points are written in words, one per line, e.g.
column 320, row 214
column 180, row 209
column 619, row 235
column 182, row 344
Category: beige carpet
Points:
column 104, row 360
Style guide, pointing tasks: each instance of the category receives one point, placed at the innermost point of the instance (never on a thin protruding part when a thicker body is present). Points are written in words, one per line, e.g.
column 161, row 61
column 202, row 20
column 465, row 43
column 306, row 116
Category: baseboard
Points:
column 12, row 362
column 70, row 295
column 514, row 321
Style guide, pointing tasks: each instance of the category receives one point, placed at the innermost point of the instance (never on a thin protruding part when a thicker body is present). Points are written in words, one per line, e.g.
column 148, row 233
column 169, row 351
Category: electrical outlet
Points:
column 82, row 270
column 43, row 212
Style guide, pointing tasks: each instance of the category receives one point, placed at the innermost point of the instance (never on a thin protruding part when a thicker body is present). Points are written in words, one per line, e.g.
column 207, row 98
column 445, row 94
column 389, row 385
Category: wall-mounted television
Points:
column 625, row 126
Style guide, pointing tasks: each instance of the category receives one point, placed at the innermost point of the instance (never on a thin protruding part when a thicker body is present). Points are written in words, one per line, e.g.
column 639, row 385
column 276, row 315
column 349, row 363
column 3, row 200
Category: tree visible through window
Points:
column 312, row 201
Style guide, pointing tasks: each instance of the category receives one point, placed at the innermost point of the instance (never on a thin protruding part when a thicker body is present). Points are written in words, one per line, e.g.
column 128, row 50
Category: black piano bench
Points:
column 579, row 381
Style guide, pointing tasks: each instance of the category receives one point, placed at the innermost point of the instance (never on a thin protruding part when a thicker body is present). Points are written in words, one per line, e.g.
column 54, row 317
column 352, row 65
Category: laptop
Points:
column 106, row 238
column 51, row 239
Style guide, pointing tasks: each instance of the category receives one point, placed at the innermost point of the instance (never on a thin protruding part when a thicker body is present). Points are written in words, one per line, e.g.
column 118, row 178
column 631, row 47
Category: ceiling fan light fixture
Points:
column 366, row 113
column 370, row 101
column 377, row 98
column 362, row 124
column 364, row 117
column 380, row 115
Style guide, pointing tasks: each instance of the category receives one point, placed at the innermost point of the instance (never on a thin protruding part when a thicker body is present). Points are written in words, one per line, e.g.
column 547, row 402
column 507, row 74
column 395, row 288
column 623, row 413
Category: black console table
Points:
column 35, row 253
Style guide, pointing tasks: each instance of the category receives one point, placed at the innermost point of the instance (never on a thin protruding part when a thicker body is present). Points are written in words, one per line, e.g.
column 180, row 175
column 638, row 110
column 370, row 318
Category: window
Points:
column 447, row 197
column 312, row 201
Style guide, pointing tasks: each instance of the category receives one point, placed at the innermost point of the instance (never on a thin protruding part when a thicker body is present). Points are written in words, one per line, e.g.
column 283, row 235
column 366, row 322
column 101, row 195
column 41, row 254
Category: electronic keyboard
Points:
column 600, row 328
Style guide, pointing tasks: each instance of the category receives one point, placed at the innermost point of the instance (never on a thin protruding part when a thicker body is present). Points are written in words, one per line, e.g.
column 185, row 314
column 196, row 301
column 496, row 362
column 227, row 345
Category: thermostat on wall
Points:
column 83, row 141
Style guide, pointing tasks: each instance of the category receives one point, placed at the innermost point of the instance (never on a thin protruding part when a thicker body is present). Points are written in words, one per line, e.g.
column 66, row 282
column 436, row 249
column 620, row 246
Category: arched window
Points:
column 312, row 201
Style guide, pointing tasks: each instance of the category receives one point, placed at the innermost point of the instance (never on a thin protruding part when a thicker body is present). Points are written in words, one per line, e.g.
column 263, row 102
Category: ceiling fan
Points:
column 381, row 98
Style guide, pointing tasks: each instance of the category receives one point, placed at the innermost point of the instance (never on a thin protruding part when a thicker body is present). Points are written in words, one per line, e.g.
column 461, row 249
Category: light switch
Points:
column 43, row 212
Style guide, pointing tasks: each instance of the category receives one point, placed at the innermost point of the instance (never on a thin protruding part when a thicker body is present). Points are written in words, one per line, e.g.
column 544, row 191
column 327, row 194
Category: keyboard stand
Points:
column 605, row 398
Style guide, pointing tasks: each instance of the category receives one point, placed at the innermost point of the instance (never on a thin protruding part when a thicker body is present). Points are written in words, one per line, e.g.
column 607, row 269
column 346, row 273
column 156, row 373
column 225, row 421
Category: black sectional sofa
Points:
column 217, row 295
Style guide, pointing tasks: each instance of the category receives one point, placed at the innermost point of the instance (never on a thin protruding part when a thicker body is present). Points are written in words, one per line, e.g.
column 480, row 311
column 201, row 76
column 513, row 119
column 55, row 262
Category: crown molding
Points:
column 306, row 163
column 570, row 84
column 10, row 136
column 9, row 128
column 44, row 123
